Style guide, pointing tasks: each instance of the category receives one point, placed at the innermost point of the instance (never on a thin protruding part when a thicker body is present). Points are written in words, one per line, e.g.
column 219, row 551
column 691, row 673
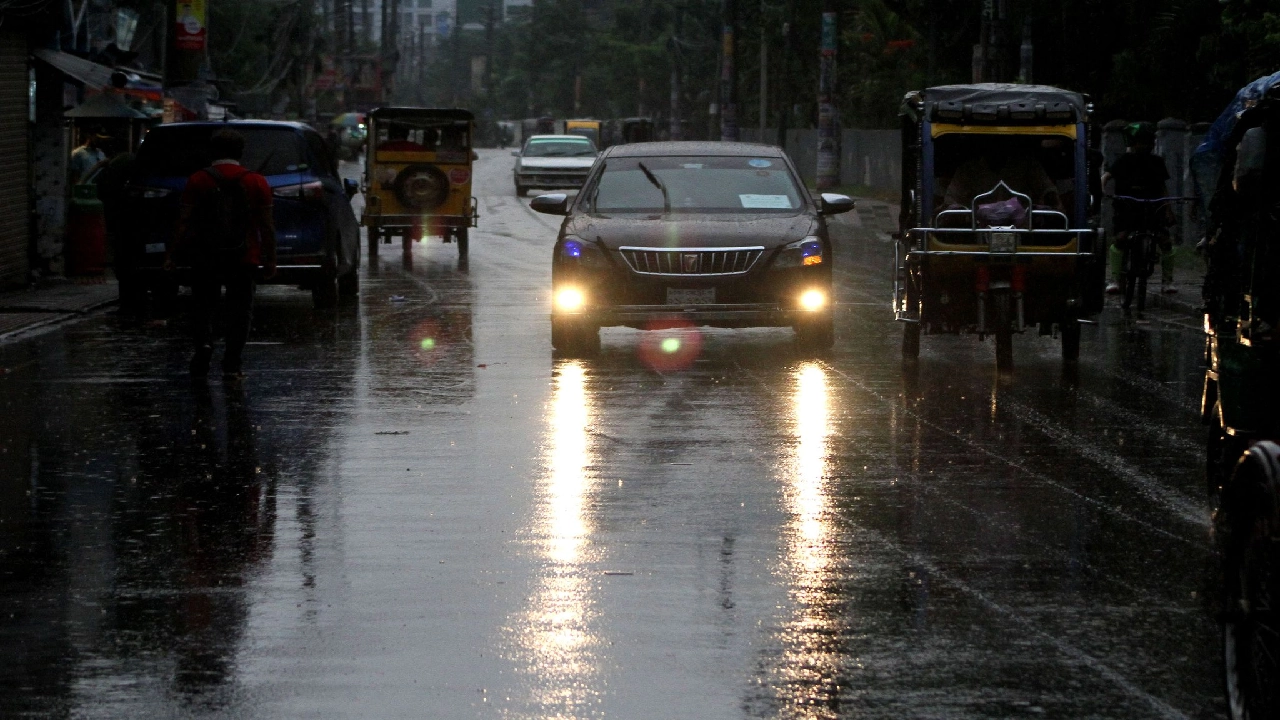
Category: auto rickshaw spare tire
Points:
column 1003, row 331
column 1251, row 574
column 421, row 187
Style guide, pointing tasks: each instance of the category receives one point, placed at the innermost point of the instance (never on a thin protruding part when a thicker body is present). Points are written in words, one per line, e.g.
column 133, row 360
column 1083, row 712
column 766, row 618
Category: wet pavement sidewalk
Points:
column 51, row 302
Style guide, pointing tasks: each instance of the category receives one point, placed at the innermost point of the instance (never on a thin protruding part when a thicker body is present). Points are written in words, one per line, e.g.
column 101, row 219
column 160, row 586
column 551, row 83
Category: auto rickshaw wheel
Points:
column 1251, row 598
column 911, row 341
column 1003, row 332
column 375, row 239
column 421, row 187
column 1070, row 339
column 462, row 236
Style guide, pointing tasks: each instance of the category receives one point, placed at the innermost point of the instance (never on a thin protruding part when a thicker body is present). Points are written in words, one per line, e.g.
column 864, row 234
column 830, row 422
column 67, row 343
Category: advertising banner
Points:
column 190, row 31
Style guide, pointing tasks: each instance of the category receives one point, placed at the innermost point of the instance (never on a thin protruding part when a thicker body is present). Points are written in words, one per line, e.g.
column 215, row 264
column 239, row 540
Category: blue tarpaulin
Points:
column 1206, row 161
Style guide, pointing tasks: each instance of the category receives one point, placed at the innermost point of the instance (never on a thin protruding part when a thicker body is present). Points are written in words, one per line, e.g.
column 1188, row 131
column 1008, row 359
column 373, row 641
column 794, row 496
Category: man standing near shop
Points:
column 226, row 232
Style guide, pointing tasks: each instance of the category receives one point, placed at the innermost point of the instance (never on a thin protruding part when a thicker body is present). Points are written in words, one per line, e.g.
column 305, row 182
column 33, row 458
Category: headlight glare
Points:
column 813, row 300
column 570, row 299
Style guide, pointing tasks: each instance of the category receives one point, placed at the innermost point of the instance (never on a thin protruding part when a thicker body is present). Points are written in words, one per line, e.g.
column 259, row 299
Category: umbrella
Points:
column 348, row 120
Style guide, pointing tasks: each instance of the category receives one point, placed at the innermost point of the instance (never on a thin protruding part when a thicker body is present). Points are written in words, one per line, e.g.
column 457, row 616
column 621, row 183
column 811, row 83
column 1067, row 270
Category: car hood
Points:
column 693, row 230
column 557, row 163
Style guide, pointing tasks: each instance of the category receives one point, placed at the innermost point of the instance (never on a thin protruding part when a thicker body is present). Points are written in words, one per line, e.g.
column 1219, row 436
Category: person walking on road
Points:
column 226, row 231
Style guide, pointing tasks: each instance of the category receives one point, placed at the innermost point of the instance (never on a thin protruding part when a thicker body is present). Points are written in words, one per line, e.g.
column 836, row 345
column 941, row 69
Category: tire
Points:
column 911, row 341
column 1070, row 339
column 375, row 239
column 463, row 237
column 349, row 285
column 1251, row 579
column 324, row 293
column 421, row 187
column 574, row 338
column 1003, row 332
column 816, row 335
column 521, row 190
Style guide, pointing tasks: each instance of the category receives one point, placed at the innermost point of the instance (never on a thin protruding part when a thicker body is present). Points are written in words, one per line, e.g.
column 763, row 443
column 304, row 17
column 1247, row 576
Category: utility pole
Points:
column 728, row 75
column 784, row 96
column 673, row 46
column 366, row 27
column 1026, row 52
column 764, row 73
column 828, row 171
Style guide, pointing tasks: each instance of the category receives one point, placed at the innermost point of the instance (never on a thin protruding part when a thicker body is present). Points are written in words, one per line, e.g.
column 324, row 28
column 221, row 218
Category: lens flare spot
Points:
column 670, row 344
column 427, row 343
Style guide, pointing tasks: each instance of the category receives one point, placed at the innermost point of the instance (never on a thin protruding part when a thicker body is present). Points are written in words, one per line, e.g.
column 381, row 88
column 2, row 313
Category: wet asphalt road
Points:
column 411, row 510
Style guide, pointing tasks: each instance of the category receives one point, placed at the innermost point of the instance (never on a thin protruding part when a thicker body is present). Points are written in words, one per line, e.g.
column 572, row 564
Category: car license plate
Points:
column 685, row 296
column 155, row 247
column 1004, row 242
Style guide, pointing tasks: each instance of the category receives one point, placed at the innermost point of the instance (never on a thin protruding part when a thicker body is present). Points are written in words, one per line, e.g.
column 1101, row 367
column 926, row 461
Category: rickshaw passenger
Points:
column 1019, row 171
column 398, row 140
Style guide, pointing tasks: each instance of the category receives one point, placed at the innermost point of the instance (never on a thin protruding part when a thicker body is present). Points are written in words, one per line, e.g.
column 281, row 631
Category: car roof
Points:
column 288, row 124
column 695, row 147
column 569, row 136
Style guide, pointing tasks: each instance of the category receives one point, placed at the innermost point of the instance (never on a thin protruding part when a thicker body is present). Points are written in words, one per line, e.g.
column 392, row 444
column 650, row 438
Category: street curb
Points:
column 55, row 318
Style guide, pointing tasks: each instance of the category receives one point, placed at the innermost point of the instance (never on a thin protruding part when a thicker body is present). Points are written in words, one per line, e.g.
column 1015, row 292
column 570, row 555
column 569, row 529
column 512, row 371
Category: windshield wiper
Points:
column 666, row 199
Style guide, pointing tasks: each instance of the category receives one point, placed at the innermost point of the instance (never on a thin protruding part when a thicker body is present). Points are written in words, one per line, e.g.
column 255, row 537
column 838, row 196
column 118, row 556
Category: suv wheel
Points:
column 324, row 293
column 817, row 334
column 574, row 338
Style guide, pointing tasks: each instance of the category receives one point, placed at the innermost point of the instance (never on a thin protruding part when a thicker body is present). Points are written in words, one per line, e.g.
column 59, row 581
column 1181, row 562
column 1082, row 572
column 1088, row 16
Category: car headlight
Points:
column 802, row 253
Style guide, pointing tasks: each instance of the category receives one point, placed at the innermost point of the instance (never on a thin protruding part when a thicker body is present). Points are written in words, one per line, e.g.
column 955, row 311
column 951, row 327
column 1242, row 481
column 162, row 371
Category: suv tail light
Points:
column 313, row 190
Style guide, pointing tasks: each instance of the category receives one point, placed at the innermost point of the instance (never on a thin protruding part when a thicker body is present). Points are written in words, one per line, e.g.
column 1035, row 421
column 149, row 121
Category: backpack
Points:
column 221, row 218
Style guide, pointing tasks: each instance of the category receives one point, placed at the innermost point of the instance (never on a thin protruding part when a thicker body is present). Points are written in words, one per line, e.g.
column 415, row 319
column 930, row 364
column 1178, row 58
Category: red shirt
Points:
column 256, row 190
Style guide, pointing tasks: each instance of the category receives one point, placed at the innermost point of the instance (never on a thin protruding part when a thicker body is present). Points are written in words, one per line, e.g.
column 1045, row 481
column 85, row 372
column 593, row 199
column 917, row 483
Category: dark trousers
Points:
column 236, row 310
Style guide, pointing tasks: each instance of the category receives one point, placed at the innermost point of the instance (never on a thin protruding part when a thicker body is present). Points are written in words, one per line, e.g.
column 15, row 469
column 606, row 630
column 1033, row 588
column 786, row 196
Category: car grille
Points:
column 691, row 261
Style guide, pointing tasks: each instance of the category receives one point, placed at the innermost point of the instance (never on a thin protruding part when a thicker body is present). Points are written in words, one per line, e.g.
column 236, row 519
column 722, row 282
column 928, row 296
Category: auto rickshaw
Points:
column 1237, row 176
column 996, row 231
column 417, row 177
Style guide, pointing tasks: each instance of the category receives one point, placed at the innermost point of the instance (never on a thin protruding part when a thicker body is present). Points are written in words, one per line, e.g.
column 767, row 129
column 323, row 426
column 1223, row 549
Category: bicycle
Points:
column 1138, row 256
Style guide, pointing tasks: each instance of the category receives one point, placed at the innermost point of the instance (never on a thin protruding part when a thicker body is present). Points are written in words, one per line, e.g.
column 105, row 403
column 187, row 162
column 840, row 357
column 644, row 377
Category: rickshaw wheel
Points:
column 463, row 237
column 375, row 239
column 1003, row 333
column 1070, row 339
column 1252, row 586
column 911, row 341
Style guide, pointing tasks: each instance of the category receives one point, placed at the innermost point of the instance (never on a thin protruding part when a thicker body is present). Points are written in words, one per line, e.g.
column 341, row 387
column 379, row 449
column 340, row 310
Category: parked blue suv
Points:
column 317, row 235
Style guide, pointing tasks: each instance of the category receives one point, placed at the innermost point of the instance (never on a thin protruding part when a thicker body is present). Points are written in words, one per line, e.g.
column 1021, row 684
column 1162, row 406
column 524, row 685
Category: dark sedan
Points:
column 704, row 233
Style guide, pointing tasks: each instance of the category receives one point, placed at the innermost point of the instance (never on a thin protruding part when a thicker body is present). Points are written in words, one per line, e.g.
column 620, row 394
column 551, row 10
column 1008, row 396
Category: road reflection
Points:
column 556, row 643
column 806, row 673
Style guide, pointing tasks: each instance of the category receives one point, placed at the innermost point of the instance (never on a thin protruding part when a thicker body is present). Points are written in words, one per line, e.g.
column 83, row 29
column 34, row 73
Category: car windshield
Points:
column 180, row 151
column 696, row 184
column 560, row 148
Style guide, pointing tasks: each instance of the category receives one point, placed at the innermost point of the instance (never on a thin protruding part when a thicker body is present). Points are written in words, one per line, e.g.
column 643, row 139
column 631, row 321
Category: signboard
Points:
column 190, row 31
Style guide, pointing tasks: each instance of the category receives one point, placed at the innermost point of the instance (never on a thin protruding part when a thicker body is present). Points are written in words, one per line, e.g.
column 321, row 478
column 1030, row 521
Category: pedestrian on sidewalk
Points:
column 226, row 231
column 87, row 155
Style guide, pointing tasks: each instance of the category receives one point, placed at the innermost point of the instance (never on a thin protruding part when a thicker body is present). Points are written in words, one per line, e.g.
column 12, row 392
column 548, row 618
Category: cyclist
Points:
column 1139, row 174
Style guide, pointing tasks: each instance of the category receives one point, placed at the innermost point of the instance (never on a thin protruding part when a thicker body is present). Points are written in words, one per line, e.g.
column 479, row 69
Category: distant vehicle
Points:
column 553, row 161
column 703, row 233
column 417, row 178
column 997, row 233
column 1242, row 389
column 317, row 236
column 628, row 130
column 589, row 129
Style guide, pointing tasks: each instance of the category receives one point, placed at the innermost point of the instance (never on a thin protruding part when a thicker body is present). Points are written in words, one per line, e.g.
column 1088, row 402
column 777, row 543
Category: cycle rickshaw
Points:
column 997, row 228
column 417, row 177
column 1237, row 178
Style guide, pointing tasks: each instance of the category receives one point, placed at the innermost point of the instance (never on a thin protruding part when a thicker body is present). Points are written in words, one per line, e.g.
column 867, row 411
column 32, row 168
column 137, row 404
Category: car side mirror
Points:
column 835, row 204
column 351, row 187
column 551, row 204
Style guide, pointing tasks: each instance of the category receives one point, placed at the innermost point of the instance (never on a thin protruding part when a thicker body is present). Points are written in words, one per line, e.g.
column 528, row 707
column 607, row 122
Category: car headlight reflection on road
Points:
column 813, row 300
column 570, row 299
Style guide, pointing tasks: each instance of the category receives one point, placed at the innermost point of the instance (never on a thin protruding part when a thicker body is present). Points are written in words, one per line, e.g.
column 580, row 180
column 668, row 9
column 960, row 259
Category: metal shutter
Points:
column 14, row 160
